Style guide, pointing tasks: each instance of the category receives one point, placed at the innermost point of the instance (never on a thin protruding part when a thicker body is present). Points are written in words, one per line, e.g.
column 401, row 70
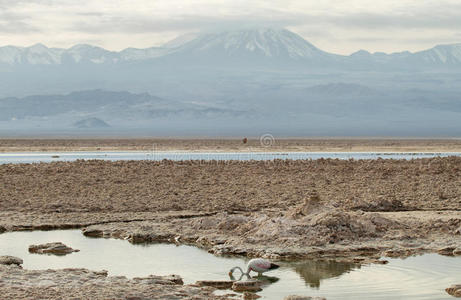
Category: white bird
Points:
column 258, row 265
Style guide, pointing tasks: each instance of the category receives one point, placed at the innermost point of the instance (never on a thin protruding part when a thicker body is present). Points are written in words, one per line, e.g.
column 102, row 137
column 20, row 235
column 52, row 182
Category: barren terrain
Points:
column 348, row 210
column 270, row 143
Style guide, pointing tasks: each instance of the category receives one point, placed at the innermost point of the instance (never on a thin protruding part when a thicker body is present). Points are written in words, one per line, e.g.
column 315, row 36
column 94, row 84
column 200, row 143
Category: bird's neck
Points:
column 240, row 269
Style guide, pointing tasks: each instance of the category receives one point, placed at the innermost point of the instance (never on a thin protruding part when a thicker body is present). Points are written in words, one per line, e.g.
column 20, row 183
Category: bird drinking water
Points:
column 258, row 265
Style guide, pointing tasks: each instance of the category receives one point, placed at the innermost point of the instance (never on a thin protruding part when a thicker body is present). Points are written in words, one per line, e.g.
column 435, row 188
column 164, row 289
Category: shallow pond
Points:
column 421, row 277
column 33, row 157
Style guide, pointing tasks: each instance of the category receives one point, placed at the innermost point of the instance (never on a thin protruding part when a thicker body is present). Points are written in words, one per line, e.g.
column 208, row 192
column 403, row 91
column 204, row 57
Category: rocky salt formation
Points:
column 56, row 248
column 10, row 260
column 305, row 231
column 17, row 283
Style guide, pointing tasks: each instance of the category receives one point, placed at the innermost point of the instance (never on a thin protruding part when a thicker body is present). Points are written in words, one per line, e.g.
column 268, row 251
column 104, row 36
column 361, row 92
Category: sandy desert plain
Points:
column 350, row 210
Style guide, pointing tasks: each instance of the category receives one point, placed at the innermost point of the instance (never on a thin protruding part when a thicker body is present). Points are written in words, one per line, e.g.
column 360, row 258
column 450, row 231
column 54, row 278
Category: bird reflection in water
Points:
column 262, row 278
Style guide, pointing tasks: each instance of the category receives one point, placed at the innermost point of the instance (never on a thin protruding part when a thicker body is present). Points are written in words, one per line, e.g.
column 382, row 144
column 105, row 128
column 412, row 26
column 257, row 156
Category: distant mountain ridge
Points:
column 267, row 43
column 88, row 106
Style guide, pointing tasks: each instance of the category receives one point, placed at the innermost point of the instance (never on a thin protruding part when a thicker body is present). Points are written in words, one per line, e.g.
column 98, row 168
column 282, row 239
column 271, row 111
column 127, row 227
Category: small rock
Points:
column 294, row 297
column 176, row 279
column 102, row 272
column 250, row 296
column 247, row 286
column 219, row 284
column 57, row 248
column 2, row 229
column 10, row 260
column 92, row 232
column 454, row 290
column 380, row 261
column 457, row 251
column 446, row 251
column 162, row 279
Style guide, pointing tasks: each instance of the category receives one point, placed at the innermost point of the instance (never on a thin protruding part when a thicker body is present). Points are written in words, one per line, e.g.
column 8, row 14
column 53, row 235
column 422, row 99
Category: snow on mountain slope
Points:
column 130, row 54
column 273, row 43
column 181, row 40
column 441, row 54
column 40, row 54
column 232, row 48
column 10, row 55
column 87, row 53
column 36, row 54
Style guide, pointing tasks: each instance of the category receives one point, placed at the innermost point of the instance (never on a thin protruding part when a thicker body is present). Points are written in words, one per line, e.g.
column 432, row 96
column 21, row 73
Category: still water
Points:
column 421, row 277
column 34, row 157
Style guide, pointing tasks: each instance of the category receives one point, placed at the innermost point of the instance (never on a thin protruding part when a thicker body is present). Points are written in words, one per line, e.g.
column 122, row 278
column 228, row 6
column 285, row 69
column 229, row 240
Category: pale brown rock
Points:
column 219, row 284
column 250, row 296
column 166, row 280
column 247, row 286
column 10, row 260
column 446, row 251
column 102, row 272
column 92, row 232
column 56, row 248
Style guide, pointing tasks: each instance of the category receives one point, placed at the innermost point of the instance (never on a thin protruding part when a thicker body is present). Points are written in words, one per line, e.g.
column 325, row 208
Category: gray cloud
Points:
column 435, row 18
column 380, row 21
column 12, row 23
column 116, row 24
column 389, row 24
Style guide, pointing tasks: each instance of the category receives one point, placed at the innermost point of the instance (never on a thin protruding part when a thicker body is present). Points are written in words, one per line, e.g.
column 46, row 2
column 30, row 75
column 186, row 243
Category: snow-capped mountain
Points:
column 39, row 54
column 133, row 54
column 36, row 54
column 89, row 54
column 271, row 43
column 442, row 54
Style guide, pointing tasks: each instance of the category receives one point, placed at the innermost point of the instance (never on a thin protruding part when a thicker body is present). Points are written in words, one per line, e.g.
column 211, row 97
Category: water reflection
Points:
column 313, row 272
column 264, row 279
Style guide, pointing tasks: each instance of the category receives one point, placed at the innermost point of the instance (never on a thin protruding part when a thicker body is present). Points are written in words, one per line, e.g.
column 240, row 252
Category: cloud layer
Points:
column 333, row 25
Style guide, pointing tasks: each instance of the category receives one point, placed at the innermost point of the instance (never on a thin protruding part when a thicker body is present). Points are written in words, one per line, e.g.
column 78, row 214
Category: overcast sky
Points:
column 338, row 26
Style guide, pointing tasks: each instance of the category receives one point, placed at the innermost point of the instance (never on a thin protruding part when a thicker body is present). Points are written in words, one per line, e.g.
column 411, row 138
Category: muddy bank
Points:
column 232, row 144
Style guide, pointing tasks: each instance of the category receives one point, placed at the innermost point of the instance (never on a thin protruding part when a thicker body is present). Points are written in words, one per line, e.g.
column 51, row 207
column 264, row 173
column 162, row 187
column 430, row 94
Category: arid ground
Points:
column 272, row 143
column 346, row 210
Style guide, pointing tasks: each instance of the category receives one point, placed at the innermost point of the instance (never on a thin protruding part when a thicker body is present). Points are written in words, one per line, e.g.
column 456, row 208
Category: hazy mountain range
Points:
column 231, row 83
column 263, row 44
